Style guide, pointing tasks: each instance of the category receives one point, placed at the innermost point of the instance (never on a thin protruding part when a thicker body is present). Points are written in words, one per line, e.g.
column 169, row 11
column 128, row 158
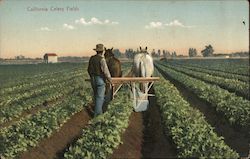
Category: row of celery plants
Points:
column 13, row 85
column 28, row 132
column 28, row 73
column 52, row 93
column 221, row 65
column 187, row 127
column 26, row 93
column 214, row 72
column 232, row 85
column 235, row 108
column 32, row 83
column 103, row 134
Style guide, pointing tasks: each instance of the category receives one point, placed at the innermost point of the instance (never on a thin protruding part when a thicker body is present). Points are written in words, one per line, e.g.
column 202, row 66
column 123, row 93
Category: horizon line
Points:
column 121, row 52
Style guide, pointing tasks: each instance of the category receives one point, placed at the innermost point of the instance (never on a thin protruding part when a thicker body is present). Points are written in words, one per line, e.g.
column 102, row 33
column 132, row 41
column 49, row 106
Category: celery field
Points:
column 201, row 108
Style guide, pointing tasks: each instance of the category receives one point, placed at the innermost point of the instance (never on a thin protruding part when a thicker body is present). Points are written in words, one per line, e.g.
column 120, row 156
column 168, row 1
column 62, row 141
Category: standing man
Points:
column 98, row 72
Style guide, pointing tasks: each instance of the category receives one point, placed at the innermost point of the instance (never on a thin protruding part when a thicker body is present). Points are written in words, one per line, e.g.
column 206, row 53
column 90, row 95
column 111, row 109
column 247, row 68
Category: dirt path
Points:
column 156, row 144
column 144, row 138
column 132, row 139
column 54, row 146
column 235, row 137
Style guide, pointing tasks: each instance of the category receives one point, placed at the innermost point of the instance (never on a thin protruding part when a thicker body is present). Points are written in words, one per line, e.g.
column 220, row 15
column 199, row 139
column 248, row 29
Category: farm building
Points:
column 50, row 58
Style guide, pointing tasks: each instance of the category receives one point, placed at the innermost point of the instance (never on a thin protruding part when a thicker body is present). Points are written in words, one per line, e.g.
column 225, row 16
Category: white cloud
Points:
column 45, row 29
column 68, row 27
column 161, row 25
column 82, row 21
column 158, row 25
column 176, row 23
column 95, row 21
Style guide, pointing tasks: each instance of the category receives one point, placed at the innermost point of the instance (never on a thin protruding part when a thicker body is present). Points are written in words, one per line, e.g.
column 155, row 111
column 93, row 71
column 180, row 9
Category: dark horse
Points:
column 114, row 66
column 113, row 63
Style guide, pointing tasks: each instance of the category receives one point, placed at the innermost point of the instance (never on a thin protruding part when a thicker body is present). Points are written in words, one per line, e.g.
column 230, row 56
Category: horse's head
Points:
column 108, row 53
column 143, row 50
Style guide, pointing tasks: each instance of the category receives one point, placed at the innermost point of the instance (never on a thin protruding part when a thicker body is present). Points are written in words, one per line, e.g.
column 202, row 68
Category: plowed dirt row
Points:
column 54, row 146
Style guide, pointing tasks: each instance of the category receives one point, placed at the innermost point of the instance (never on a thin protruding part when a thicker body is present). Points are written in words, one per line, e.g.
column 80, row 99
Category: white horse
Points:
column 143, row 66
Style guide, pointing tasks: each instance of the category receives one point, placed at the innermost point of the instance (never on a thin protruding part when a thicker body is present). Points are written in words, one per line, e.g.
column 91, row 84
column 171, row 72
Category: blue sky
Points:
column 170, row 25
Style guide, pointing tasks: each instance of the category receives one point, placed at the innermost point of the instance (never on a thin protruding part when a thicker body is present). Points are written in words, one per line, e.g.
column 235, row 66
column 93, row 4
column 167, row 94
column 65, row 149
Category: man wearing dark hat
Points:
column 98, row 72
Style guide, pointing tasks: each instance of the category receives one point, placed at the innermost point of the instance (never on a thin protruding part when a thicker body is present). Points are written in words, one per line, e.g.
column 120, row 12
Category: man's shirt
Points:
column 98, row 67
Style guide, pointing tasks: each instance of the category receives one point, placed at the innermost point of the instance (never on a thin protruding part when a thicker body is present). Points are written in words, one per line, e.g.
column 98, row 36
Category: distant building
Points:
column 50, row 58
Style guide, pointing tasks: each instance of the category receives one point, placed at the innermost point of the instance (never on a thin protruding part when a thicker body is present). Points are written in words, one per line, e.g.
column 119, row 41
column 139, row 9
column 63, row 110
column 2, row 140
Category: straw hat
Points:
column 99, row 47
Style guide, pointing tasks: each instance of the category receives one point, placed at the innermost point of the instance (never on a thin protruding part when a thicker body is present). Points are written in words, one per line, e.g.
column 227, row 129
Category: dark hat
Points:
column 99, row 47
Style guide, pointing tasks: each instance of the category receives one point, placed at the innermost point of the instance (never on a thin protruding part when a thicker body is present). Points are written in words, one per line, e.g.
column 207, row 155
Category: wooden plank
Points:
column 120, row 80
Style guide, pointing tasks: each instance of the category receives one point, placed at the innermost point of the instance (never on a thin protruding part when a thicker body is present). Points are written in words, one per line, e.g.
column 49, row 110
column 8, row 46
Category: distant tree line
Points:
column 130, row 53
column 165, row 53
column 240, row 54
column 208, row 51
column 192, row 52
column 20, row 57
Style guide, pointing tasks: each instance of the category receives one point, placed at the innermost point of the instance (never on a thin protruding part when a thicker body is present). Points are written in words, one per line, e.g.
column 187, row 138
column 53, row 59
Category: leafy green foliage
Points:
column 104, row 132
column 31, row 88
column 199, row 68
column 230, row 84
column 235, row 67
column 190, row 132
column 15, row 76
column 48, row 93
column 28, row 131
column 236, row 109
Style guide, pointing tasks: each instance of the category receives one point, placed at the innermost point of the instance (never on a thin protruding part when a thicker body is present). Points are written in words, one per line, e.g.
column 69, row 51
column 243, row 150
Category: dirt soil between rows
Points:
column 234, row 136
column 54, row 146
column 145, row 138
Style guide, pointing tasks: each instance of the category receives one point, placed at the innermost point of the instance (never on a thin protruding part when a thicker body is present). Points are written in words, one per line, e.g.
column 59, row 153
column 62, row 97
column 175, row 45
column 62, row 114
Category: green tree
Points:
column 130, row 53
column 208, row 51
column 153, row 53
column 159, row 53
column 166, row 54
column 174, row 54
column 192, row 52
column 117, row 53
